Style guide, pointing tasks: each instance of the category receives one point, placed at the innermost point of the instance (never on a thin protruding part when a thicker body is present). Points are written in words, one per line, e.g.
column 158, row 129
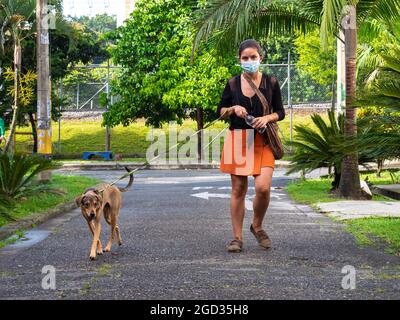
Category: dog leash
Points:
column 147, row 162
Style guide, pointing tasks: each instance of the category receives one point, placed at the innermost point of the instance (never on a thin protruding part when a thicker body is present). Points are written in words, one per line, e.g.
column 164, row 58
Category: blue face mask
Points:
column 250, row 66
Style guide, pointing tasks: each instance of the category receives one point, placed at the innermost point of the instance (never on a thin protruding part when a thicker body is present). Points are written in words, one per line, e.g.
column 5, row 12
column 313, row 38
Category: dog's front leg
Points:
column 96, row 237
column 99, row 246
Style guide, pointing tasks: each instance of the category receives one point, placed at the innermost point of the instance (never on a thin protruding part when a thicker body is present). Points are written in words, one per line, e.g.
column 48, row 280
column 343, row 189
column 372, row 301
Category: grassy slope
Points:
column 88, row 135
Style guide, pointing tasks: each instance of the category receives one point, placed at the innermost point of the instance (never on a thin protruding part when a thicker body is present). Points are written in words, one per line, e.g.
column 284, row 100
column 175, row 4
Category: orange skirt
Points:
column 244, row 153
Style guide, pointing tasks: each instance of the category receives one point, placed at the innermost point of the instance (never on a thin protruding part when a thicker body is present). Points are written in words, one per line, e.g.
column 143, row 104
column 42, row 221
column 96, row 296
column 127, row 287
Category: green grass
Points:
column 14, row 238
column 311, row 191
column 381, row 232
column 377, row 232
column 383, row 179
column 88, row 135
column 71, row 185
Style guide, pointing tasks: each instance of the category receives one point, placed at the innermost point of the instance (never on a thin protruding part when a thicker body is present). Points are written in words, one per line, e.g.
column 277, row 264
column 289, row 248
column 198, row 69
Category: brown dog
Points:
column 104, row 200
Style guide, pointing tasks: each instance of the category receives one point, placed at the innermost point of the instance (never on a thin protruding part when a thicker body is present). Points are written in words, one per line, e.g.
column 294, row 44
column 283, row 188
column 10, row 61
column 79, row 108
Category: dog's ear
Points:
column 78, row 201
column 99, row 197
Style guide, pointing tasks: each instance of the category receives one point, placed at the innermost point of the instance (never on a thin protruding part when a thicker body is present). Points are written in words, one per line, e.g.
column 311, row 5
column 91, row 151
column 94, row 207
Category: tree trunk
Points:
column 380, row 167
column 349, row 185
column 336, row 179
column 17, row 64
column 200, row 135
column 34, row 132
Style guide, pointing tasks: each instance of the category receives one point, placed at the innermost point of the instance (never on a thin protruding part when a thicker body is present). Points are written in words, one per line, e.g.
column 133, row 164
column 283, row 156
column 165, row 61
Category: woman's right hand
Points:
column 239, row 111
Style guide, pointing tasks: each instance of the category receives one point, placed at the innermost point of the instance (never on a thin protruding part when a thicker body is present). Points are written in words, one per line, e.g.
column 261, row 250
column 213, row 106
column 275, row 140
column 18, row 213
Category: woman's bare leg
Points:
column 262, row 185
column 239, row 190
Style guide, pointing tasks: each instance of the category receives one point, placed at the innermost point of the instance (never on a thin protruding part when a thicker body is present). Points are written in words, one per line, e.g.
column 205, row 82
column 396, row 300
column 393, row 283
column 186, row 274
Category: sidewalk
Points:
column 356, row 209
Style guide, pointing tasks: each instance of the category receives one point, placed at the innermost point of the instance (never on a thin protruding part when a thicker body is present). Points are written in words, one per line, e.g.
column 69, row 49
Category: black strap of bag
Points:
column 271, row 136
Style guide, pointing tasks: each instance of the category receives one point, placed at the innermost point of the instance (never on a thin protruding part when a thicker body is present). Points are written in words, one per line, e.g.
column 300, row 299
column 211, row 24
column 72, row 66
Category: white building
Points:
column 127, row 6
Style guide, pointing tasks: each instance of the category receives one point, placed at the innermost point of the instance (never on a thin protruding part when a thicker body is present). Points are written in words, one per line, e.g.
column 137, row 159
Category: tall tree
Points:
column 14, row 16
column 158, row 81
column 70, row 44
column 100, row 23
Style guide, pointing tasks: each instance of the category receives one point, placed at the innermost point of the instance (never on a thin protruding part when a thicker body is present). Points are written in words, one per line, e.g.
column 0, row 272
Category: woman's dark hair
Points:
column 250, row 43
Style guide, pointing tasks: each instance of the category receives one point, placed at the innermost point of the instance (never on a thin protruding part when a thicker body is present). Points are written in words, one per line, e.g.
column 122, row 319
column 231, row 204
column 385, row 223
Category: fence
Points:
column 82, row 92
column 300, row 93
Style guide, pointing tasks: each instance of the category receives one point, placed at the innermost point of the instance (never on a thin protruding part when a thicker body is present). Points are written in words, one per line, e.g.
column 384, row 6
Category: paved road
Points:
column 175, row 226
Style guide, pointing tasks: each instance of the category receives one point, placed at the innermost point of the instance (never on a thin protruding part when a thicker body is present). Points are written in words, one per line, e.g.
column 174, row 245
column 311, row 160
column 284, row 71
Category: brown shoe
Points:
column 235, row 245
column 262, row 238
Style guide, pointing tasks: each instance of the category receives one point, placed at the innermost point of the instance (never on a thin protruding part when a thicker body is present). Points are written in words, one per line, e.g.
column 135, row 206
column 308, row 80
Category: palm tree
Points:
column 317, row 148
column 322, row 147
column 14, row 16
column 224, row 23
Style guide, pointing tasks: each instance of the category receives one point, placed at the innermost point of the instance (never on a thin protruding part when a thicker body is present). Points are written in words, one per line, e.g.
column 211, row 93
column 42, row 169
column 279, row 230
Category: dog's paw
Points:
column 120, row 243
column 92, row 257
column 100, row 252
column 107, row 249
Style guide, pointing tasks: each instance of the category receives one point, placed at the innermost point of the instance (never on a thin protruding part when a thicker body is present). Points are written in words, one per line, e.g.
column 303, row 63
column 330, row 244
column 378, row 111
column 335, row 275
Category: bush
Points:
column 17, row 176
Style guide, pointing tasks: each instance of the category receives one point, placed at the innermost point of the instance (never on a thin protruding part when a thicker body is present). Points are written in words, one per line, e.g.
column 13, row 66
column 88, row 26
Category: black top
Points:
column 269, row 87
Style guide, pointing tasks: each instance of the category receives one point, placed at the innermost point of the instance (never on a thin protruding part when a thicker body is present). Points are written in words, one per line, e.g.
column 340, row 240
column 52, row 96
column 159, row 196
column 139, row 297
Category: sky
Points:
column 92, row 7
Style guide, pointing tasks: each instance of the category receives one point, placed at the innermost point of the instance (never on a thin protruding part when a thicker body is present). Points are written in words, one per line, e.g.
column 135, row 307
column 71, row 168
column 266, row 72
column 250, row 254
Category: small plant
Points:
column 395, row 176
column 17, row 174
column 318, row 148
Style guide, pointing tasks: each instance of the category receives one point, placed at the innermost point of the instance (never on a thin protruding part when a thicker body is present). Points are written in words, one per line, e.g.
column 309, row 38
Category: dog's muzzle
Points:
column 92, row 215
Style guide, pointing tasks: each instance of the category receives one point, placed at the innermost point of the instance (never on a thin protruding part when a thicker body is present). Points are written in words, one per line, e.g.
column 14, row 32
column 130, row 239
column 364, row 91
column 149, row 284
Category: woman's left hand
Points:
column 260, row 122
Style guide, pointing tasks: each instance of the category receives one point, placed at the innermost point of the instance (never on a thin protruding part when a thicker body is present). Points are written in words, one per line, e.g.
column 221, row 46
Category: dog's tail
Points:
column 130, row 181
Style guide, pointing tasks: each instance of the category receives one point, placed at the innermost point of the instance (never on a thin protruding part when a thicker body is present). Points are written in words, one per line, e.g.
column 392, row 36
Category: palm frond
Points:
column 385, row 89
column 370, row 28
column 17, row 173
column 383, row 10
column 392, row 62
column 390, row 89
column 330, row 19
column 227, row 22
column 316, row 149
column 367, row 58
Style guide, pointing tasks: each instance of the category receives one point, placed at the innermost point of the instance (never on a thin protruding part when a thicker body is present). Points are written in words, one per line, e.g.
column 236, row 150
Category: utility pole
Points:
column 341, row 75
column 43, row 83
column 108, row 134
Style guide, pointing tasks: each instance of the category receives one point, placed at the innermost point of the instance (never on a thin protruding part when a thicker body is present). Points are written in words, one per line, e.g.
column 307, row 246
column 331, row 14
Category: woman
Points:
column 239, row 100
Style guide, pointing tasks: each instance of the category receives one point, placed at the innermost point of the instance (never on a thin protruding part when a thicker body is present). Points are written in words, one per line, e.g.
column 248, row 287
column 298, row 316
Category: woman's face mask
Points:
column 250, row 66
column 250, row 60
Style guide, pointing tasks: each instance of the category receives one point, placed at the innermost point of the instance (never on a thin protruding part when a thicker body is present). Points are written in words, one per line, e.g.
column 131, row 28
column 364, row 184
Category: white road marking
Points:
column 199, row 188
column 207, row 195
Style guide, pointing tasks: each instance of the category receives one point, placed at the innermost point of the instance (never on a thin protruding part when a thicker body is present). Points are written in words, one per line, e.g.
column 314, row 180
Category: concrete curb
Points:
column 112, row 165
column 133, row 165
column 35, row 219
column 391, row 191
